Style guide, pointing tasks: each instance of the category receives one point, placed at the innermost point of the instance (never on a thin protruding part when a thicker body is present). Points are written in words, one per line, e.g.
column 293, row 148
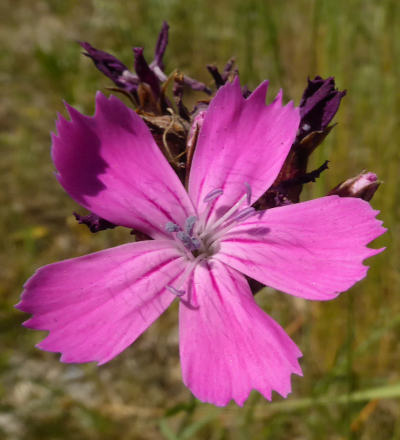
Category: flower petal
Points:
column 241, row 141
column 110, row 164
column 96, row 305
column 228, row 345
column 312, row 249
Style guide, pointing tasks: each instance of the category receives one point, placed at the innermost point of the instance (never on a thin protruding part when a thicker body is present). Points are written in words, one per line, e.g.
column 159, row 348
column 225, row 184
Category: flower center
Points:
column 199, row 237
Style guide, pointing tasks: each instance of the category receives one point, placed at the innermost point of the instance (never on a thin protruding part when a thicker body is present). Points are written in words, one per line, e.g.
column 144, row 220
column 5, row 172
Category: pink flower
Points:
column 203, row 243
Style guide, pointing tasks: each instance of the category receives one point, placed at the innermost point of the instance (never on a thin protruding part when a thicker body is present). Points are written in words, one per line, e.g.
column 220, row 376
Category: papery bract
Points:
column 203, row 241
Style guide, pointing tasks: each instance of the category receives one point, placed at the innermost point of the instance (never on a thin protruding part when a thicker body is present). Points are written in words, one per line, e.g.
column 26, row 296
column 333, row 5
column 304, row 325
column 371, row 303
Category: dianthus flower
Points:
column 203, row 243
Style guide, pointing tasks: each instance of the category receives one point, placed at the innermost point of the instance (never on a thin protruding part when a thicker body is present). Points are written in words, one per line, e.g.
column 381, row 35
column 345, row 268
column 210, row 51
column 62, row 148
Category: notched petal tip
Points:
column 21, row 307
column 229, row 88
column 74, row 114
column 60, row 117
column 108, row 106
column 60, row 122
column 100, row 96
column 259, row 95
column 102, row 101
column 372, row 252
column 290, row 105
column 235, row 82
column 32, row 324
column 278, row 99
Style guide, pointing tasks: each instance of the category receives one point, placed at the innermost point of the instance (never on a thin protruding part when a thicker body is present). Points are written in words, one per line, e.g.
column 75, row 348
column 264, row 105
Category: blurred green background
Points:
column 350, row 345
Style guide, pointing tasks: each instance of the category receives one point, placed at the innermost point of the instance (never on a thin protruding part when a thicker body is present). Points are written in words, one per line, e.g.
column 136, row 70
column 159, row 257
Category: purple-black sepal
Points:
column 110, row 66
column 94, row 222
column 318, row 106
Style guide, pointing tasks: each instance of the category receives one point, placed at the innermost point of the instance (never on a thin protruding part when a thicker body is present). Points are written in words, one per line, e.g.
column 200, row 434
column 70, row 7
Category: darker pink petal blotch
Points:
column 203, row 244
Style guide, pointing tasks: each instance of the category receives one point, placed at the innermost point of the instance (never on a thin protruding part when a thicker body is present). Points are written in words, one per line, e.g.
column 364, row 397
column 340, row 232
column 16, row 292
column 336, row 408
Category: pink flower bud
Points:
column 362, row 186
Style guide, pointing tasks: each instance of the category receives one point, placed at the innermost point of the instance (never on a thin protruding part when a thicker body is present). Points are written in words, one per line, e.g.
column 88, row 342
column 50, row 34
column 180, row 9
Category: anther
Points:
column 189, row 224
column 248, row 192
column 180, row 291
column 228, row 220
column 212, row 195
column 172, row 227
column 190, row 243
column 176, row 292
column 244, row 213
column 228, row 214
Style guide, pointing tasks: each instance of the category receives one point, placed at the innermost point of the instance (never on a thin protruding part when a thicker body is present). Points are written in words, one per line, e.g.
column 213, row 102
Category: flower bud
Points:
column 362, row 186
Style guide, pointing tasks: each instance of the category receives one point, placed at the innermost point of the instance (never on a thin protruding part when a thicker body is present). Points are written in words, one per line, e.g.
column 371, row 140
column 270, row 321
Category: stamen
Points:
column 175, row 291
column 248, row 192
column 212, row 195
column 172, row 227
column 190, row 243
column 185, row 237
column 197, row 238
column 244, row 213
column 186, row 275
column 228, row 220
column 226, row 216
column 189, row 224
